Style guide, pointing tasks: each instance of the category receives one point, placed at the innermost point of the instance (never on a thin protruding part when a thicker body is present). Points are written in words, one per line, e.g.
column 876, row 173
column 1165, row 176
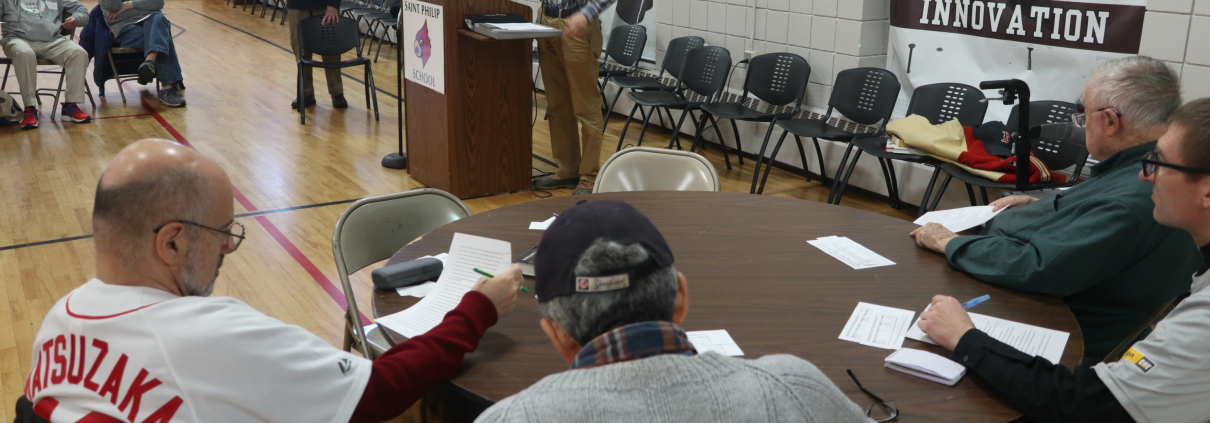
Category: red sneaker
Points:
column 74, row 113
column 31, row 118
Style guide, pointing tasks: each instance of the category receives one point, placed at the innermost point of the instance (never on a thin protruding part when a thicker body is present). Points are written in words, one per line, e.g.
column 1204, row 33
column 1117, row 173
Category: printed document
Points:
column 958, row 220
column 718, row 341
column 1029, row 339
column 877, row 326
column 467, row 252
column 850, row 252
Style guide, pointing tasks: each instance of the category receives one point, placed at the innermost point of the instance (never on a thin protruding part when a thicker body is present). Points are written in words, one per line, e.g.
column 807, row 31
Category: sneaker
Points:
column 31, row 118
column 74, row 113
column 171, row 97
column 309, row 101
column 147, row 72
column 339, row 102
column 585, row 187
column 552, row 182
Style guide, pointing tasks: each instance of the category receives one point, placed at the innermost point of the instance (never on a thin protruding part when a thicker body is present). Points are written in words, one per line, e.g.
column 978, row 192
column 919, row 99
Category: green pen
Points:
column 481, row 272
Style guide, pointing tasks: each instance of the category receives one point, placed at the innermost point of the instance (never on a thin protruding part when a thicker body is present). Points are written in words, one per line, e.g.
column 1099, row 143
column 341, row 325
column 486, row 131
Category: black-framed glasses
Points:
column 235, row 235
column 1151, row 163
column 1080, row 118
column 881, row 411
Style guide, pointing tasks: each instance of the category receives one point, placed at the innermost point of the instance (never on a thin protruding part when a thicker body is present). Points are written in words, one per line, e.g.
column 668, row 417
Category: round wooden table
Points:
column 752, row 273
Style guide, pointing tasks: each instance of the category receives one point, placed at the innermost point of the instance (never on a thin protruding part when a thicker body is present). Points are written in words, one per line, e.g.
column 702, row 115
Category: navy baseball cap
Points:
column 566, row 240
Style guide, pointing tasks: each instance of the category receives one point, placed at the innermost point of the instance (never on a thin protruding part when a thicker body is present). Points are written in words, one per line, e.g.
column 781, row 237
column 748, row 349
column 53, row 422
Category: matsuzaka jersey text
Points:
column 109, row 353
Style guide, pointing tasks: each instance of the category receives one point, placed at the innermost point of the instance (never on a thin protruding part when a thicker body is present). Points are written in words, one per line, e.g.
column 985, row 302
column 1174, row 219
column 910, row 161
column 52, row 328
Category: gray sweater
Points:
column 142, row 9
column 38, row 20
column 675, row 388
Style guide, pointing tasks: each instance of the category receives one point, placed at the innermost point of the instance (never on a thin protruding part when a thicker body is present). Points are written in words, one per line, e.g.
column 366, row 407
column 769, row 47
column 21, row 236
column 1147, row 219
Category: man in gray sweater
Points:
column 611, row 301
column 140, row 24
column 39, row 29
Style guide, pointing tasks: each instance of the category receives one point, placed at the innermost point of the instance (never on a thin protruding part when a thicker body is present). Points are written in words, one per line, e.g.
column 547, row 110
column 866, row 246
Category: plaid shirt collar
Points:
column 632, row 342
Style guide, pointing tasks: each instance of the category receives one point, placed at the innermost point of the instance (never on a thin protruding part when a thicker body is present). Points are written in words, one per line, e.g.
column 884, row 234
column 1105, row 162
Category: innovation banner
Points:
column 1052, row 45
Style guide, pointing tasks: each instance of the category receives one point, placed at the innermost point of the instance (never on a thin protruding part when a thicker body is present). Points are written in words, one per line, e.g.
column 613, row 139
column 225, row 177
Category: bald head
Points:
column 152, row 182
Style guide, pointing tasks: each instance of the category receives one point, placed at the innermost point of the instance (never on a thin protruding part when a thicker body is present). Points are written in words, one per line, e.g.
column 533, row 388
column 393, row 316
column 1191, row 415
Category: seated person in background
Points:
column 33, row 30
column 611, row 300
column 1163, row 378
column 151, row 345
column 140, row 24
column 1095, row 245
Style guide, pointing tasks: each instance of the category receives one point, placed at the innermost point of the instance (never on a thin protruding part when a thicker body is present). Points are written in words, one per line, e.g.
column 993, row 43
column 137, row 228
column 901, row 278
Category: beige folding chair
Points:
column 375, row 228
column 120, row 77
column 656, row 169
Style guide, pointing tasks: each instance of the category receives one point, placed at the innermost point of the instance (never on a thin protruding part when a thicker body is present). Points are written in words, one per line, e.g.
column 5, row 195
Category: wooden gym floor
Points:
column 291, row 181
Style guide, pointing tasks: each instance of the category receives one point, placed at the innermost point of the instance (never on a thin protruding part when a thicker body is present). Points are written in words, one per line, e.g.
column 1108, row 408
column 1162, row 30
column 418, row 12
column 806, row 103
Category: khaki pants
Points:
column 569, row 71
column 63, row 52
column 335, row 84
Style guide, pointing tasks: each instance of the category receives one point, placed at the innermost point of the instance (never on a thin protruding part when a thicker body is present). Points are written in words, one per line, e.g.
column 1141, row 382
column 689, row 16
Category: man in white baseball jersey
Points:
column 144, row 342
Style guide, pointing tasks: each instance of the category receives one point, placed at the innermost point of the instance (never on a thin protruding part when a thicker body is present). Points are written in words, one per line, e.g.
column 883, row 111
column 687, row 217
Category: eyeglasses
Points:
column 1080, row 118
column 235, row 236
column 1151, row 163
column 881, row 411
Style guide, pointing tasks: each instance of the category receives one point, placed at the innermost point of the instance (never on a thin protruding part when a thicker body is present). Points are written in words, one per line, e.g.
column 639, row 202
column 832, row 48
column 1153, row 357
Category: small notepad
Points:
column 925, row 365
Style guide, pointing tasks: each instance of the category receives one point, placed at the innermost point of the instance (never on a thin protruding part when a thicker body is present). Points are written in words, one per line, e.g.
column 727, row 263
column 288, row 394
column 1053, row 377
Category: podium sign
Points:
column 423, row 24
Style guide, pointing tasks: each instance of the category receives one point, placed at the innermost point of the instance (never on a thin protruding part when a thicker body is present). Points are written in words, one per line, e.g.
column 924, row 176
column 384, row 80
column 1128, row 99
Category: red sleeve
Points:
column 407, row 371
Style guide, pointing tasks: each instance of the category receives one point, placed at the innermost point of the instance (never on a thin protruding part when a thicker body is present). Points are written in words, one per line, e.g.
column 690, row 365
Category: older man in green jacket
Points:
column 1096, row 245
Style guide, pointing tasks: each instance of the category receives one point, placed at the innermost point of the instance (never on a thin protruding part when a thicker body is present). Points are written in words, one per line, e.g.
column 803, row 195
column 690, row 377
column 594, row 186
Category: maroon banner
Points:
column 1085, row 26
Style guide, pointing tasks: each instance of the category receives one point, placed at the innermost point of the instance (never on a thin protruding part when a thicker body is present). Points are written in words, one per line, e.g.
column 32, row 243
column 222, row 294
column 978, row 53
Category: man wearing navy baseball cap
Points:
column 611, row 301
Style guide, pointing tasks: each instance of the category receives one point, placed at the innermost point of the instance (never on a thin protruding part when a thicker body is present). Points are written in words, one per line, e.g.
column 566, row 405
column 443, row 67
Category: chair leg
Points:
column 662, row 125
column 378, row 51
column 888, row 171
column 609, row 111
column 802, row 158
column 94, row 101
column 847, row 174
column 941, row 191
column 58, row 92
column 626, row 126
column 697, row 137
column 668, row 112
column 601, row 86
column 844, row 160
column 372, row 89
column 676, row 140
column 722, row 142
column 739, row 145
column 264, row 8
column 273, row 17
column 928, row 190
column 284, row 12
column 643, row 129
column 769, row 167
column 983, row 190
column 4, row 82
column 760, row 157
column 970, row 192
column 302, row 106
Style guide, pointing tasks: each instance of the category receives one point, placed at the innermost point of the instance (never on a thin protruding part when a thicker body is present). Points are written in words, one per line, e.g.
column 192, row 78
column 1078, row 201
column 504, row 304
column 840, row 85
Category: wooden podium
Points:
column 475, row 139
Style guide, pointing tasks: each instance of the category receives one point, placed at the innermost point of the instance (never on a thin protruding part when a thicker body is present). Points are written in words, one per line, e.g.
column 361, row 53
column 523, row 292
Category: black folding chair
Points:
column 864, row 95
column 703, row 77
column 1055, row 155
column 331, row 40
column 939, row 103
column 673, row 59
column 389, row 23
column 777, row 79
column 625, row 47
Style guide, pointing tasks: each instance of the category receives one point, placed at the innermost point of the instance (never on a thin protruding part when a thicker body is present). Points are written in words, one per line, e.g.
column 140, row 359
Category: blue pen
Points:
column 975, row 301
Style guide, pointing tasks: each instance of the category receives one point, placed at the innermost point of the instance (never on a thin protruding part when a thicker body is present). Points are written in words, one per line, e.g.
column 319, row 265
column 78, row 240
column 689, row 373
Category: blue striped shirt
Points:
column 590, row 8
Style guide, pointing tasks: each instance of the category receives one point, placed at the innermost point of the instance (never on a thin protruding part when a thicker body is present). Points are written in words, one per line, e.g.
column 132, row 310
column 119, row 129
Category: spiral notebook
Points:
column 925, row 365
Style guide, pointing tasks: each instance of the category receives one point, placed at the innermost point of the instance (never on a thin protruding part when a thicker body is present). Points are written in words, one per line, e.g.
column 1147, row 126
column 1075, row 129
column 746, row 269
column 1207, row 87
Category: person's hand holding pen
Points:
column 945, row 320
column 502, row 289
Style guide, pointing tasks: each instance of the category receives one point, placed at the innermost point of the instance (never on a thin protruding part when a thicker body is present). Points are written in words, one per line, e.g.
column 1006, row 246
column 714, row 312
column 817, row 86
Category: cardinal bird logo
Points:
column 421, row 46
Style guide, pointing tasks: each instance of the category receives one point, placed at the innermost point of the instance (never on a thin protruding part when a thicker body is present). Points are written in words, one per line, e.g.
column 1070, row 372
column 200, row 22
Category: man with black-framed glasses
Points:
column 145, row 342
column 1091, row 245
column 1162, row 378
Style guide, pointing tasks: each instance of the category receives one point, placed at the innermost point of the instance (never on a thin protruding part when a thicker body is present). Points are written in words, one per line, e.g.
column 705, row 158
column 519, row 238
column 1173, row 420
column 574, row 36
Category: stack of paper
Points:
column 877, row 326
column 957, row 220
column 1032, row 340
column 924, row 364
column 467, row 252
column 850, row 252
column 718, row 341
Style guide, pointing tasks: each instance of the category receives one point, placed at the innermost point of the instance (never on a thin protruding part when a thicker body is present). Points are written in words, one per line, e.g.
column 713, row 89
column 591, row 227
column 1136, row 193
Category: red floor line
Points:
column 123, row 116
column 324, row 283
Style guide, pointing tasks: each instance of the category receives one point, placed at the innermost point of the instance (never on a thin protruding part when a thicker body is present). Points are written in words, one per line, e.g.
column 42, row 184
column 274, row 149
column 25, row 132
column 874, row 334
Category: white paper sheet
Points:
column 541, row 226
column 877, row 326
column 526, row 26
column 718, row 341
column 961, row 219
column 1029, row 339
column 420, row 290
column 466, row 253
column 850, row 252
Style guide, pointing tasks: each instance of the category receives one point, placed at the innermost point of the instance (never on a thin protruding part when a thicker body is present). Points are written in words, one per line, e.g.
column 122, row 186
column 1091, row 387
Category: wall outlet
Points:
column 749, row 54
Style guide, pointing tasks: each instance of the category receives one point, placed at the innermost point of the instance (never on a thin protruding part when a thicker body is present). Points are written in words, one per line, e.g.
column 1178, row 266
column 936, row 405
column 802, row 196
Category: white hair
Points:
column 1144, row 90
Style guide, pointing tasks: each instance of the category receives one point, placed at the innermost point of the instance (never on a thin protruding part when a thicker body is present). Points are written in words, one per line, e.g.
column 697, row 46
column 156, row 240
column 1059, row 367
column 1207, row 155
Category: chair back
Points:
column 375, row 228
column 675, row 56
column 1055, row 154
column 940, row 103
column 328, row 40
column 865, row 95
column 1043, row 112
column 778, row 79
column 656, row 169
column 705, row 71
column 626, row 44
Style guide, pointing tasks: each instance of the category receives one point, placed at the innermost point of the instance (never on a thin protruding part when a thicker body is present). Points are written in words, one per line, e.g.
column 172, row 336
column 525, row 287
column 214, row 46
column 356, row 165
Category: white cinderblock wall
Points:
column 1178, row 31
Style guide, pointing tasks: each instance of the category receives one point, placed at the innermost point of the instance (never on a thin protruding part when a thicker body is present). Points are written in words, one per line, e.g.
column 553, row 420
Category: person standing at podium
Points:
column 569, row 72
